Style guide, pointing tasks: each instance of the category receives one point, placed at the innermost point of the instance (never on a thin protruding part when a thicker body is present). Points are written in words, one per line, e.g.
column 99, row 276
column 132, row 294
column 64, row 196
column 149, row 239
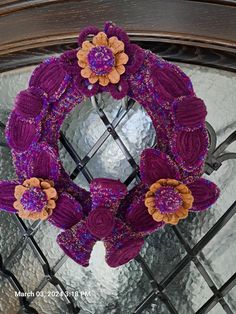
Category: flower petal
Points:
column 17, row 205
column 67, row 213
column 100, row 39
column 34, row 182
column 45, row 185
column 42, row 162
column 182, row 189
column 127, row 251
column 121, row 58
column 170, row 82
column 182, row 212
column 140, row 219
column 158, row 216
column 86, row 72
column 155, row 165
column 172, row 182
column 154, row 187
column 29, row 103
column 103, row 80
column 19, row 191
column 149, row 202
column 114, row 76
column 26, row 183
column 190, row 112
column 77, row 243
column 7, row 198
column 84, row 88
column 21, row 134
column 24, row 214
column 87, row 45
column 51, row 78
column 120, row 69
column 116, row 45
column 205, row 194
column 44, row 214
column 93, row 79
column 82, row 64
column 190, row 148
column 126, row 248
column 170, row 219
column 137, row 213
column 51, row 204
column 49, row 211
column 82, row 55
column 51, row 193
column 151, row 210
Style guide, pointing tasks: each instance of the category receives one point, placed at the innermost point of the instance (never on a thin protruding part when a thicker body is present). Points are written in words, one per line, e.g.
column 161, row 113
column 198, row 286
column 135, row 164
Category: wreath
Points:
column 171, row 183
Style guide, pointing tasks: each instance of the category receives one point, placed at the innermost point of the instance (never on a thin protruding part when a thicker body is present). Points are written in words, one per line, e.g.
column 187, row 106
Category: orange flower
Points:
column 35, row 199
column 102, row 60
column 168, row 200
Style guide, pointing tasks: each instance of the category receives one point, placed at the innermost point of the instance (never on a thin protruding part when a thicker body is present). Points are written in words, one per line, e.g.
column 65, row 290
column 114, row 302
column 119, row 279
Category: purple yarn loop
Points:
column 90, row 30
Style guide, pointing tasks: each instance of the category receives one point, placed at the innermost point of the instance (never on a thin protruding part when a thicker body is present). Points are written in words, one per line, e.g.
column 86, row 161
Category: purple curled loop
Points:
column 120, row 90
column 112, row 30
column 91, row 30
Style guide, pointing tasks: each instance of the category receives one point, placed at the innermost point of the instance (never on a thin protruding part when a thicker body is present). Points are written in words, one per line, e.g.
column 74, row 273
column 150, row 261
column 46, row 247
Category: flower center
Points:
column 34, row 199
column 101, row 60
column 167, row 199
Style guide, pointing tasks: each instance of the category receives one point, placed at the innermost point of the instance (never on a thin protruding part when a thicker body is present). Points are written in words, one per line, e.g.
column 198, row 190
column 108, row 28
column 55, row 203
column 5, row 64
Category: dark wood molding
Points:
column 200, row 32
column 8, row 6
column 222, row 2
column 29, row 24
column 174, row 52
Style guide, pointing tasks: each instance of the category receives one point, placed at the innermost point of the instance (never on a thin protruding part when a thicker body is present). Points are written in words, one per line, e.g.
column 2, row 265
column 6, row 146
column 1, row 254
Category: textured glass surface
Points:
column 9, row 303
column 10, row 234
column 48, row 303
column 105, row 286
column 217, row 310
column 231, row 299
column 214, row 254
column 162, row 251
column 101, row 289
column 26, row 267
column 45, row 238
column 84, row 127
column 193, row 289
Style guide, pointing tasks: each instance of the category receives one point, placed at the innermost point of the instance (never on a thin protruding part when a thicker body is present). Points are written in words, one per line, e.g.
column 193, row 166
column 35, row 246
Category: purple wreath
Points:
column 171, row 184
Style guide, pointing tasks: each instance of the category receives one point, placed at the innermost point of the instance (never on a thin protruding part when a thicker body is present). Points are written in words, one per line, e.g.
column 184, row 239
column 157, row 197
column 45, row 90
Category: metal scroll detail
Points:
column 217, row 155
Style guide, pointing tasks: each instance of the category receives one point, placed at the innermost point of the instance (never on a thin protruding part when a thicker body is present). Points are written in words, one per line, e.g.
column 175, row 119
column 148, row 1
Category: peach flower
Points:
column 35, row 199
column 102, row 60
column 168, row 201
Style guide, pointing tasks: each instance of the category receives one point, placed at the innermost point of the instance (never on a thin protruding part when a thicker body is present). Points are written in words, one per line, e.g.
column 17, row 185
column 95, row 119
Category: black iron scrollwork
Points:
column 217, row 155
